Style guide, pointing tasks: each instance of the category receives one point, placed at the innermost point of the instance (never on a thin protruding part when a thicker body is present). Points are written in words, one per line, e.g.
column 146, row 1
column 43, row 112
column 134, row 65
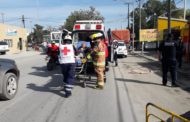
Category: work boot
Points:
column 68, row 94
column 174, row 85
column 164, row 83
column 100, row 87
column 116, row 64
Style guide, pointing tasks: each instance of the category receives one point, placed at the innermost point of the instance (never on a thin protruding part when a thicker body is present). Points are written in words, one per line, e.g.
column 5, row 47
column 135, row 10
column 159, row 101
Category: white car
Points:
column 122, row 49
column 3, row 47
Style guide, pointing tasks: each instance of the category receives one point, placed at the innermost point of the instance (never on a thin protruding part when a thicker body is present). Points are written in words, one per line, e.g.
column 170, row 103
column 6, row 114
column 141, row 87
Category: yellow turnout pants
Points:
column 100, row 75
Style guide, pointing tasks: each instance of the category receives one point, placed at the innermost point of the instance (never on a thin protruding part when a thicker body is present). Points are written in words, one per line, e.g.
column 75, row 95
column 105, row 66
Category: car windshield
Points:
column 3, row 43
column 82, row 36
column 121, row 44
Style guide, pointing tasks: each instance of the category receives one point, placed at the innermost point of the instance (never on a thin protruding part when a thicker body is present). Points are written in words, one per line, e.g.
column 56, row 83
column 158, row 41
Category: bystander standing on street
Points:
column 180, row 52
column 168, row 50
column 115, row 46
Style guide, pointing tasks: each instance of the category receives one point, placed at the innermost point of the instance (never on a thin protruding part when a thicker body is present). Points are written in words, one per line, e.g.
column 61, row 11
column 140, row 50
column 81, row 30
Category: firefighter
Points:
column 98, row 58
column 67, row 63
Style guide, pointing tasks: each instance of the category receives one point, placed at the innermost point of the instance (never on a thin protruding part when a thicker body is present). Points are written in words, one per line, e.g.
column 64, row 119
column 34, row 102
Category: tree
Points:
column 37, row 35
column 91, row 14
column 150, row 10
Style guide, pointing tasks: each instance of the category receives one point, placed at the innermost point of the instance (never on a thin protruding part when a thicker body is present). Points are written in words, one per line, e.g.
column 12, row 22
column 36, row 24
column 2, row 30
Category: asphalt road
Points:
column 130, row 86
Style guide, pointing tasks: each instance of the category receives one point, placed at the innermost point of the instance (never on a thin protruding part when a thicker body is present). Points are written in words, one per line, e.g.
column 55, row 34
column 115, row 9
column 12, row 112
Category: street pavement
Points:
column 130, row 86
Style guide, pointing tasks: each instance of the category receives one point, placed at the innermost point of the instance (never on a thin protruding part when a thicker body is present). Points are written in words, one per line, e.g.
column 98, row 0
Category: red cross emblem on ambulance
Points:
column 65, row 50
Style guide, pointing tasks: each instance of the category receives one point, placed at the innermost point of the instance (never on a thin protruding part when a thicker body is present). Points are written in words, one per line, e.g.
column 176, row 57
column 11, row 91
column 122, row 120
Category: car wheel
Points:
column 10, row 86
column 3, row 53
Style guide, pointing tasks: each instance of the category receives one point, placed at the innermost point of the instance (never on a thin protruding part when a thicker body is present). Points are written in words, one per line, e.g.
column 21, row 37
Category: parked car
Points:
column 9, row 76
column 122, row 49
column 3, row 47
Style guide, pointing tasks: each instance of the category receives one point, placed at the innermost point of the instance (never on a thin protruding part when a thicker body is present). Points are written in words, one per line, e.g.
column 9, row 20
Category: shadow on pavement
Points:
column 54, row 85
column 136, row 81
column 155, row 66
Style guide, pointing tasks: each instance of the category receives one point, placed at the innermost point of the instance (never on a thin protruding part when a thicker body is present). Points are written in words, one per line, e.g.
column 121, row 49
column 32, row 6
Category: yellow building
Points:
column 16, row 37
column 177, row 24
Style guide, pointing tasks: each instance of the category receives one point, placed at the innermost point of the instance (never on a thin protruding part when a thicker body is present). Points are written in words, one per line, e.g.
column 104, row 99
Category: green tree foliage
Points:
column 91, row 14
column 151, row 9
column 37, row 35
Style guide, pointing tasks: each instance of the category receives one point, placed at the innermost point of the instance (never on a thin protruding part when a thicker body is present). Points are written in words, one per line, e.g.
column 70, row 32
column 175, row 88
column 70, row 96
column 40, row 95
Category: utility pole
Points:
column 140, row 25
column 133, row 26
column 169, row 16
column 139, row 15
column 128, row 15
column 23, row 21
column 184, row 9
column 2, row 15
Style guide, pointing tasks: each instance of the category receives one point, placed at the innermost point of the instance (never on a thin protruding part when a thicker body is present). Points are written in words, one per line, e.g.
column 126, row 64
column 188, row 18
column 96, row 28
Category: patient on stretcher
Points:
column 82, row 49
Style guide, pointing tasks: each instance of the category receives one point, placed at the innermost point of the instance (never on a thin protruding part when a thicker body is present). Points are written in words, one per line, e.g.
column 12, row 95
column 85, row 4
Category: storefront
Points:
column 16, row 37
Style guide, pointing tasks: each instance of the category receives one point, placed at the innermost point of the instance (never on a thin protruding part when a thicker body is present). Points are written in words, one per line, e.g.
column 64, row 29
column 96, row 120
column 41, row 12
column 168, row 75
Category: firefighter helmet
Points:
column 96, row 36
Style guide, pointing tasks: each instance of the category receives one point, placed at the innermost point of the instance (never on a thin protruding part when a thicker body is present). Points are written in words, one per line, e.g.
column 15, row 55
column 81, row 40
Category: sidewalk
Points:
column 20, row 54
column 183, row 73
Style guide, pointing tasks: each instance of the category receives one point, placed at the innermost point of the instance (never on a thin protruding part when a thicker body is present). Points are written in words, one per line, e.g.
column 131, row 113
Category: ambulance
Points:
column 82, row 30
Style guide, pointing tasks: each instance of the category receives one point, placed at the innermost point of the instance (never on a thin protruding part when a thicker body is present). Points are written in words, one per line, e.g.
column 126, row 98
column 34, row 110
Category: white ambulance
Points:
column 82, row 31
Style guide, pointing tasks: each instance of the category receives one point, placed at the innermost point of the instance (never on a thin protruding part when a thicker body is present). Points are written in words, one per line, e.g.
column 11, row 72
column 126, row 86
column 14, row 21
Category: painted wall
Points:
column 12, row 34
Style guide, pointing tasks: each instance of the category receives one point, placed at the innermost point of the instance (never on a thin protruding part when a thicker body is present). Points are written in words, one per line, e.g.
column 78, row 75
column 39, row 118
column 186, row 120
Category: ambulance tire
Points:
column 50, row 66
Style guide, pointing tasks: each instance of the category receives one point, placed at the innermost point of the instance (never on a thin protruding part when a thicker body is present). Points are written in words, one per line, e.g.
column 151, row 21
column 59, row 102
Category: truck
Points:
column 123, row 38
column 122, row 35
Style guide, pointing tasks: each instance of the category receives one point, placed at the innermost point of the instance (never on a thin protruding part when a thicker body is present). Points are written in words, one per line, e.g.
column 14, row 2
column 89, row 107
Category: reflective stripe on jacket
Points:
column 99, row 54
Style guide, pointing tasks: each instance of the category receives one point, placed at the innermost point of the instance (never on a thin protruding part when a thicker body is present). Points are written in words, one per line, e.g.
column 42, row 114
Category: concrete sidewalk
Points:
column 21, row 54
column 183, row 73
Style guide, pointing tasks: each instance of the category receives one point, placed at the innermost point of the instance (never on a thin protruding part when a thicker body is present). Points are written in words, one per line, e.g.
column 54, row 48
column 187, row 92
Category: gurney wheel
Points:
column 84, row 85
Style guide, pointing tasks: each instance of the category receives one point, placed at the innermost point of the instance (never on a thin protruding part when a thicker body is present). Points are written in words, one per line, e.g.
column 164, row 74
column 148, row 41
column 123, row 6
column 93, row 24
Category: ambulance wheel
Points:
column 49, row 66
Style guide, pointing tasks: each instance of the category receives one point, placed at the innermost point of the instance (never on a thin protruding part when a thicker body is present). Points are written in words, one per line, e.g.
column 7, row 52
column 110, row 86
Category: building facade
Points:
column 16, row 37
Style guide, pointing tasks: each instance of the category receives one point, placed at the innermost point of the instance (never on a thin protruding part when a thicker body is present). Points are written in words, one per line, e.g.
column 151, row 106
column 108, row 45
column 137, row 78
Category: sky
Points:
column 54, row 12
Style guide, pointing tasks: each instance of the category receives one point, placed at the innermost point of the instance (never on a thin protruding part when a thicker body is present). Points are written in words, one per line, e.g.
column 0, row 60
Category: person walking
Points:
column 67, row 63
column 98, row 58
column 180, row 51
column 168, row 50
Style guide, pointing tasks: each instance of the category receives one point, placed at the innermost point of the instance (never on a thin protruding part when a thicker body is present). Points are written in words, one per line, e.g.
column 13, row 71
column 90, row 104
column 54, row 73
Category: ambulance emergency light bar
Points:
column 89, row 22
column 89, row 25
